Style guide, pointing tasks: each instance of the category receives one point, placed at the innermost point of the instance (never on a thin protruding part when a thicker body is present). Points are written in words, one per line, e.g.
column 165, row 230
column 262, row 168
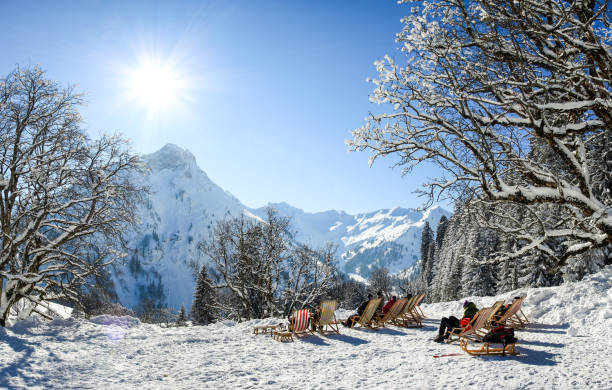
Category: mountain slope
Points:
column 184, row 204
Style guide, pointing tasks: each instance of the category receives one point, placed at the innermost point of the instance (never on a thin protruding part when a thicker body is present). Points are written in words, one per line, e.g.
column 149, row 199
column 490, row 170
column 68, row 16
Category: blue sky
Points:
column 268, row 90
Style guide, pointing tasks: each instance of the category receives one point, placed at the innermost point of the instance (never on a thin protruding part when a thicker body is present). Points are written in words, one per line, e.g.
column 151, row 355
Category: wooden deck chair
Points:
column 496, row 306
column 417, row 309
column 509, row 318
column 299, row 326
column 327, row 318
column 391, row 314
column 477, row 328
column 407, row 318
column 367, row 315
column 522, row 317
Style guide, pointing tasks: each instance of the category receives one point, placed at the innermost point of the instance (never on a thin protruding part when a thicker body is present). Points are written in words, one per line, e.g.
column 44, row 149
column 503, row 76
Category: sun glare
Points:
column 156, row 85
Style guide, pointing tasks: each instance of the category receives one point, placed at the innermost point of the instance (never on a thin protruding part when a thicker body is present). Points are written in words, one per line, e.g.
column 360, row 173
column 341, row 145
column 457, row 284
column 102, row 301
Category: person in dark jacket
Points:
column 448, row 323
column 355, row 317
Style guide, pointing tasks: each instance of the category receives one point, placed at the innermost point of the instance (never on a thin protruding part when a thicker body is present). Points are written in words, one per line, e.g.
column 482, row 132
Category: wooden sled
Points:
column 486, row 349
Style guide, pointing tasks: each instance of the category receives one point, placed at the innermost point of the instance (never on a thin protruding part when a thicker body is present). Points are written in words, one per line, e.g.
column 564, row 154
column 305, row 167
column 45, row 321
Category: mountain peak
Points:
column 169, row 157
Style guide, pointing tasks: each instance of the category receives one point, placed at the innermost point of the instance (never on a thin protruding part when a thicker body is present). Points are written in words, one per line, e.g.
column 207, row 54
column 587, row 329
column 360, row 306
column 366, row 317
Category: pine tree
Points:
column 203, row 310
column 441, row 231
column 181, row 319
column 427, row 240
column 477, row 278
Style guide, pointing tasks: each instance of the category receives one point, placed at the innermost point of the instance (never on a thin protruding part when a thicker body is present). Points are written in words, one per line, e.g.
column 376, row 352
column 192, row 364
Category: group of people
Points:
column 381, row 310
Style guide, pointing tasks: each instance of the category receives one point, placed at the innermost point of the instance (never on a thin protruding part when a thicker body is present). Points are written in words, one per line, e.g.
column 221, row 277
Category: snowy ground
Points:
column 121, row 353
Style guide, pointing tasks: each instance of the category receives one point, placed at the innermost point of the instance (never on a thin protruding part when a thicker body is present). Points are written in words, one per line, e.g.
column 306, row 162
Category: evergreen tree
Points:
column 441, row 231
column 427, row 240
column 203, row 310
column 181, row 319
column 477, row 278
column 452, row 283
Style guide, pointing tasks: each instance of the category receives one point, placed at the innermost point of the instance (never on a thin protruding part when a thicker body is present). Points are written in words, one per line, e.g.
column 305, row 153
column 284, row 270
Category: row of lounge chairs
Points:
column 407, row 313
column 404, row 312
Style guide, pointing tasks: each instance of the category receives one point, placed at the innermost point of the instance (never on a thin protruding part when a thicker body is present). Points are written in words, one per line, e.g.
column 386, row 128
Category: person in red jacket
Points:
column 389, row 304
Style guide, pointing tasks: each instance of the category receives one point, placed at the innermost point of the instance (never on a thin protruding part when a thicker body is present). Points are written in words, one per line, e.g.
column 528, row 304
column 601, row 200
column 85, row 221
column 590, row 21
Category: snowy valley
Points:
column 184, row 204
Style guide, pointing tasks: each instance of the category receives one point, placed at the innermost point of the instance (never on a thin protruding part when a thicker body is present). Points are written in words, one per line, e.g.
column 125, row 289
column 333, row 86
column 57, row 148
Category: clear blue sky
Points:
column 269, row 90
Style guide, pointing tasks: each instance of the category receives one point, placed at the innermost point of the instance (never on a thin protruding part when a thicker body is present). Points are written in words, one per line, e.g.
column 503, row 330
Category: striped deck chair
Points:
column 327, row 318
column 299, row 326
column 510, row 317
column 477, row 328
column 408, row 317
column 368, row 313
column 390, row 315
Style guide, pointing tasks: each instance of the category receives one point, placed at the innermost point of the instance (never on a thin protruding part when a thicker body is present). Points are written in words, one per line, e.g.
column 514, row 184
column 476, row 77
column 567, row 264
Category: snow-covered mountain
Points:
column 184, row 204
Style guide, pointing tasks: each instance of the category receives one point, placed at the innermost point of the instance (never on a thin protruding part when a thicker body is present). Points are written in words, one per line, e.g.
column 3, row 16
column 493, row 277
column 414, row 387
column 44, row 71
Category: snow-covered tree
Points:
column 65, row 199
column 310, row 274
column 262, row 272
column 480, row 82
column 427, row 241
column 441, row 231
column 477, row 278
column 181, row 318
column 380, row 280
column 204, row 307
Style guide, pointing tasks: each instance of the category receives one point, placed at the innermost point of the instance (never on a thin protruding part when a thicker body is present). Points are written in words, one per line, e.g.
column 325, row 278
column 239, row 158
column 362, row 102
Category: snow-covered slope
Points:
column 180, row 211
column 184, row 204
column 389, row 238
column 567, row 347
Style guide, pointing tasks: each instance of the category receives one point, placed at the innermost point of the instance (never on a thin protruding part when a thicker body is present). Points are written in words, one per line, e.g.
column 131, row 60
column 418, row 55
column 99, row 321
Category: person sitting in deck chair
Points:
column 448, row 323
column 504, row 308
column 355, row 317
column 389, row 304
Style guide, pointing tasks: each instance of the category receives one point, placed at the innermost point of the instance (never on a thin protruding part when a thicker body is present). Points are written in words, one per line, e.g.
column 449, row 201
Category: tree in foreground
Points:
column 65, row 199
column 203, row 309
column 261, row 271
column 488, row 88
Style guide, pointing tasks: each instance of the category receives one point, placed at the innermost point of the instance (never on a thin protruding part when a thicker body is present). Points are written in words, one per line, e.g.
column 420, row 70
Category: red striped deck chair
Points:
column 300, row 323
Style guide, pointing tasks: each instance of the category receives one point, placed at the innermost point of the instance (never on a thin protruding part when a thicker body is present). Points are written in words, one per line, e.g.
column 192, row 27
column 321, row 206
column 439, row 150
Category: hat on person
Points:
column 370, row 296
column 379, row 292
column 466, row 303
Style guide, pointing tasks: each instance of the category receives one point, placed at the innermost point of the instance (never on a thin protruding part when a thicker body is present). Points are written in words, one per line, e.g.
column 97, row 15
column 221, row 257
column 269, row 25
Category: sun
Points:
column 155, row 84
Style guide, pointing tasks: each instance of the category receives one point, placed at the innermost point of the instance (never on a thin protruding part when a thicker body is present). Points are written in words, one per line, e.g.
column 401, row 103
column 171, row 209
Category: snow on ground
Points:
column 566, row 348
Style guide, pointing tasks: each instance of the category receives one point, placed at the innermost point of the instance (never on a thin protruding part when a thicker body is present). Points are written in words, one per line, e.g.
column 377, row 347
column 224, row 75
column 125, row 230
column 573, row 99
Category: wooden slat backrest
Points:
column 370, row 310
column 327, row 310
column 495, row 307
column 394, row 310
column 514, row 308
column 419, row 299
column 301, row 320
column 408, row 306
column 481, row 319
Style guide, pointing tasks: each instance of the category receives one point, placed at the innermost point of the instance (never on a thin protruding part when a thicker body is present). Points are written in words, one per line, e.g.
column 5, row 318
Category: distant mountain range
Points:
column 184, row 205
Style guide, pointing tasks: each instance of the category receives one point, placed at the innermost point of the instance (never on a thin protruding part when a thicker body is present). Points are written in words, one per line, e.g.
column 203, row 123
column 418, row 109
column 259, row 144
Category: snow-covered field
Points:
column 568, row 347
